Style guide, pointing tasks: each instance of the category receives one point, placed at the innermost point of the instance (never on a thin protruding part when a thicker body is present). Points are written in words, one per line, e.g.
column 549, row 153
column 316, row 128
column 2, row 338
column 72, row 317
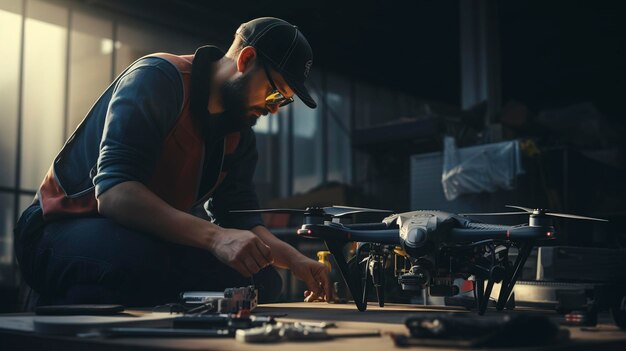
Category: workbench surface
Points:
column 387, row 320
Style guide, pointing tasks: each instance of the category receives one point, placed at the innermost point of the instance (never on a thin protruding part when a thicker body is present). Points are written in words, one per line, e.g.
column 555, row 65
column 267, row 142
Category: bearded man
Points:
column 136, row 206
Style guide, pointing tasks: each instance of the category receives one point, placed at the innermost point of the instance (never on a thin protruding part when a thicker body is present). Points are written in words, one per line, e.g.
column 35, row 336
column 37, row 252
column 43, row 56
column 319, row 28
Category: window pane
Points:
column 284, row 163
column 374, row 105
column 385, row 107
column 25, row 201
column 43, row 90
column 6, row 228
column 91, row 51
column 134, row 42
column 10, row 34
column 307, row 136
column 339, row 142
column 268, row 170
column 262, row 125
column 263, row 174
column 365, row 96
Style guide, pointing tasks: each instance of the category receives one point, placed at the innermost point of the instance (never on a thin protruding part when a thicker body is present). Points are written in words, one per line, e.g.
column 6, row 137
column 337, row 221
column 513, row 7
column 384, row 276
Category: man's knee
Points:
column 98, row 252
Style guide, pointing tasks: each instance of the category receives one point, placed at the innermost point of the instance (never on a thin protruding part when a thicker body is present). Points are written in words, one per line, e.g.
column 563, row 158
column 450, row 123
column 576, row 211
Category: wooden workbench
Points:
column 387, row 320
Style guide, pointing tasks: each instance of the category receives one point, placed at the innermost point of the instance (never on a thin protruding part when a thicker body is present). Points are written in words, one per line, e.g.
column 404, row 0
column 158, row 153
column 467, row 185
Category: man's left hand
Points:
column 315, row 276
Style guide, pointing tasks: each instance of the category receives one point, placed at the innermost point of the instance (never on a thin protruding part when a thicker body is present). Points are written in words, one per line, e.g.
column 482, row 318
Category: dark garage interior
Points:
column 425, row 109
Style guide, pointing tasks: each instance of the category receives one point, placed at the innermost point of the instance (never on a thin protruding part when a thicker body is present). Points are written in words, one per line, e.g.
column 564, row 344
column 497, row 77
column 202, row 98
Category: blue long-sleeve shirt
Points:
column 122, row 136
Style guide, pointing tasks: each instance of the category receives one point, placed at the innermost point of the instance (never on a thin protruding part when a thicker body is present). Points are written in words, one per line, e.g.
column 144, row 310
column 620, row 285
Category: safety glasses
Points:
column 275, row 97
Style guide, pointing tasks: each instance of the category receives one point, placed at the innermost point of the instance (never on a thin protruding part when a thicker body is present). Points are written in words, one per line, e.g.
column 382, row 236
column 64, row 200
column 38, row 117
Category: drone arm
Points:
column 367, row 226
column 344, row 234
column 481, row 231
column 486, row 226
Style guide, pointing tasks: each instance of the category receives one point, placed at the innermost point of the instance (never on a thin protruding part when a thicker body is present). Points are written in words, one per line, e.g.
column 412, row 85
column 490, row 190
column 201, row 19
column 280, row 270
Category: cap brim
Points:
column 301, row 91
column 297, row 87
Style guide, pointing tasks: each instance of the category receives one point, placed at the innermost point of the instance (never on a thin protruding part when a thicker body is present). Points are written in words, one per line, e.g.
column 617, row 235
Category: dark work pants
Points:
column 95, row 260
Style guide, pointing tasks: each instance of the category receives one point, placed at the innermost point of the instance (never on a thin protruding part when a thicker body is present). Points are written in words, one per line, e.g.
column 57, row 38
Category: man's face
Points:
column 243, row 97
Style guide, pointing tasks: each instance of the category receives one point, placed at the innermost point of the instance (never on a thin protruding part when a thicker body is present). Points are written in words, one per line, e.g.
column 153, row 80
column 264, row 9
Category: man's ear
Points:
column 246, row 59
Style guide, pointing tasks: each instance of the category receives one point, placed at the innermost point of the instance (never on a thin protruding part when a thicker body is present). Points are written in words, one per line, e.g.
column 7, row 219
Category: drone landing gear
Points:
column 352, row 281
column 482, row 295
column 374, row 267
column 506, row 274
column 511, row 276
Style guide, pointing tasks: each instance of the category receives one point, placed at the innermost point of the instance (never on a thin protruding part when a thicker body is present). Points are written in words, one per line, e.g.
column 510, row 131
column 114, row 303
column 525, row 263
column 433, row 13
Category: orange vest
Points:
column 177, row 173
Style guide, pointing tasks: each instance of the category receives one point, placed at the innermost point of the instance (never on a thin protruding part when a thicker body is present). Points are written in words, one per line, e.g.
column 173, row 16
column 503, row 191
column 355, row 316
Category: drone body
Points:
column 438, row 247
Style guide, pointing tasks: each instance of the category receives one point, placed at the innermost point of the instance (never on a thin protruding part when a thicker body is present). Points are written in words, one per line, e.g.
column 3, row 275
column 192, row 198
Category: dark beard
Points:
column 237, row 116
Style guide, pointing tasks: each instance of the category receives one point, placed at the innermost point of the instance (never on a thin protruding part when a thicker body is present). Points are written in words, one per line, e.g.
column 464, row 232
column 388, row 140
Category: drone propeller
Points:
column 566, row 215
column 338, row 211
column 334, row 211
column 556, row 214
column 536, row 212
column 272, row 210
column 530, row 210
column 493, row 214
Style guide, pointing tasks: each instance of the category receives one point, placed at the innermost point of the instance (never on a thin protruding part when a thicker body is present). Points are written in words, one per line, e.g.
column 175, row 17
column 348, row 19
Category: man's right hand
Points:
column 135, row 206
column 242, row 250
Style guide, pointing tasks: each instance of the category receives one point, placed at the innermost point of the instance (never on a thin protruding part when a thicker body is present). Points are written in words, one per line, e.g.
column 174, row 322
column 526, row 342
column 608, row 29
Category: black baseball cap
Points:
column 285, row 48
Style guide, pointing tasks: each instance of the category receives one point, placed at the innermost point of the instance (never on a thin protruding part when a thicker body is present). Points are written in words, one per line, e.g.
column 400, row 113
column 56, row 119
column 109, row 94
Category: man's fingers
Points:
column 242, row 269
column 312, row 284
column 251, row 265
column 264, row 250
column 327, row 284
column 260, row 260
column 310, row 296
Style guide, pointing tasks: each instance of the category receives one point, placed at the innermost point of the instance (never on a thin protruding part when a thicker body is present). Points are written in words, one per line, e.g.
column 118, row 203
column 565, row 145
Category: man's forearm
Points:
column 283, row 253
column 133, row 205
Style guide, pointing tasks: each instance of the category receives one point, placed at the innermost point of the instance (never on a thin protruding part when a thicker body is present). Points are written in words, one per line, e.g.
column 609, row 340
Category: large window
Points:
column 51, row 74
column 91, row 52
column 338, row 114
column 307, row 140
column 136, row 40
column 285, row 154
column 6, row 224
column 43, row 99
column 266, row 176
column 10, row 34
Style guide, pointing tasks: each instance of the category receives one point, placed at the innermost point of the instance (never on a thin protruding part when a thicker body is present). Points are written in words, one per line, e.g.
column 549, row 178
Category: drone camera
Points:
column 417, row 278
